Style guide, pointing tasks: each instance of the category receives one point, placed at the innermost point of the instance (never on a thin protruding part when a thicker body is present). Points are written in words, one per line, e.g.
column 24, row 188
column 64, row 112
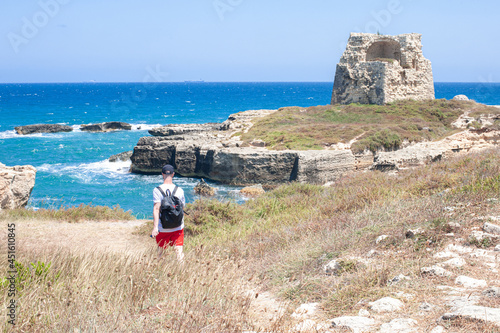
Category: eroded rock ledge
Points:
column 214, row 151
column 16, row 184
column 42, row 128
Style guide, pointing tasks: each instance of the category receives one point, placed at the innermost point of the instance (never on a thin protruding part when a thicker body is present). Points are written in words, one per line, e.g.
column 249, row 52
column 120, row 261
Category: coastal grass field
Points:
column 276, row 244
column 370, row 127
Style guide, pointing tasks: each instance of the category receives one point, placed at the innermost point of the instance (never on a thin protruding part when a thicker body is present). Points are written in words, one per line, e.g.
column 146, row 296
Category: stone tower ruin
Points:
column 379, row 69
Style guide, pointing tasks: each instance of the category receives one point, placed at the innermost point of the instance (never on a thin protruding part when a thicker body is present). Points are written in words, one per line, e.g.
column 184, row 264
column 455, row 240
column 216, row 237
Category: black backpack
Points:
column 172, row 209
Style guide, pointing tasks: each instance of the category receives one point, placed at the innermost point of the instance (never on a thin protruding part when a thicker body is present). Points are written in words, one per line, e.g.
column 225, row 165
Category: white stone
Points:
column 497, row 248
column 435, row 270
column 489, row 315
column 306, row 326
column 437, row 329
column 484, row 255
column 332, row 268
column 363, row 313
column 386, row 304
column 469, row 282
column 491, row 228
column 355, row 323
column 460, row 98
column 492, row 292
column 381, row 238
column 455, row 262
column 458, row 248
column 446, row 254
column 16, row 184
column 399, row 325
column 426, row 306
column 305, row 311
column 398, row 279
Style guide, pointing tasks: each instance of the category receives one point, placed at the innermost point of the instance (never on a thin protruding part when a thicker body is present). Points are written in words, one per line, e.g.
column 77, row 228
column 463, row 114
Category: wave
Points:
column 96, row 172
column 8, row 134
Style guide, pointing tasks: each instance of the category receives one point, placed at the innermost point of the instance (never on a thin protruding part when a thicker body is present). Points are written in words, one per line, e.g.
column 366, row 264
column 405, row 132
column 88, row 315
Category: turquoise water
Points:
column 73, row 167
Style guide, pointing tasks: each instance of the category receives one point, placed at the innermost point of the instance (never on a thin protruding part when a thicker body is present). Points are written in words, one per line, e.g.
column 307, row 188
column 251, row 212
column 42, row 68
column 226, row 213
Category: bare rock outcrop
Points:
column 42, row 128
column 213, row 152
column 216, row 152
column 107, row 127
column 16, row 184
column 378, row 69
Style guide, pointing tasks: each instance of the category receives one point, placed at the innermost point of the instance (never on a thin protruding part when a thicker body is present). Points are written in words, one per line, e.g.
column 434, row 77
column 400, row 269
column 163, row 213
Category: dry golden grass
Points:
column 278, row 242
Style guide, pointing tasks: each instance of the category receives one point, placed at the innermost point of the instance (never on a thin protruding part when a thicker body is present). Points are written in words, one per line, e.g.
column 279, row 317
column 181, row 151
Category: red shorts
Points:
column 164, row 239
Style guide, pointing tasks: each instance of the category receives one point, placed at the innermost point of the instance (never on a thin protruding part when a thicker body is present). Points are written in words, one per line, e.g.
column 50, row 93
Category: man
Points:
column 167, row 237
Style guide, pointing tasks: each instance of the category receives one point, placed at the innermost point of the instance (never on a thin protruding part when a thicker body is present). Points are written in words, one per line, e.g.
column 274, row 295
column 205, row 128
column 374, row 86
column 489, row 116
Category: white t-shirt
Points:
column 157, row 197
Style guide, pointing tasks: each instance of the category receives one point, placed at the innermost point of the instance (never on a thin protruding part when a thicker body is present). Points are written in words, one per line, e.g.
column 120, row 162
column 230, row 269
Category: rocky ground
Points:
column 463, row 292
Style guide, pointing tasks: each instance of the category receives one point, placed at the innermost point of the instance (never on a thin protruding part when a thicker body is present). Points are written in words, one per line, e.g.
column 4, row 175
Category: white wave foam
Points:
column 8, row 134
column 89, row 172
column 144, row 127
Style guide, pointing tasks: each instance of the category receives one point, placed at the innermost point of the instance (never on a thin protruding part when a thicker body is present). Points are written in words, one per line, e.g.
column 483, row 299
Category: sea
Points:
column 73, row 168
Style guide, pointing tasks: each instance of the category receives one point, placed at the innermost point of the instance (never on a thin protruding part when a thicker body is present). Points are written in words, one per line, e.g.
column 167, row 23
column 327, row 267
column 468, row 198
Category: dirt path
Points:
column 114, row 237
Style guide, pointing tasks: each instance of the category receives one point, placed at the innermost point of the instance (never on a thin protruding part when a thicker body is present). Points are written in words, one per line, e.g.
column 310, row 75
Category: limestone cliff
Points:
column 16, row 184
column 378, row 69
column 214, row 151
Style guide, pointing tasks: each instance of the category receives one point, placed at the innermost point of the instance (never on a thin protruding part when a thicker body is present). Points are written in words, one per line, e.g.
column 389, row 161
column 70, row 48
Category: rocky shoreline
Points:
column 215, row 152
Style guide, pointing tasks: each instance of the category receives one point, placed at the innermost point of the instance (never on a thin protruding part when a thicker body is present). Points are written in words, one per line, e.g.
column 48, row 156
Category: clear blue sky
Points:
column 233, row 40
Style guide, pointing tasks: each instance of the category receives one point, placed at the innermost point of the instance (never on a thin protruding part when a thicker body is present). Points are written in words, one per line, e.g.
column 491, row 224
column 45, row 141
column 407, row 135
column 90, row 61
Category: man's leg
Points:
column 179, row 253
column 160, row 252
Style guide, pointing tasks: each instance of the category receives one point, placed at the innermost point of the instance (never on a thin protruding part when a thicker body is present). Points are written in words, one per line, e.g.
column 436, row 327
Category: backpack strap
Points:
column 168, row 191
column 175, row 190
column 161, row 191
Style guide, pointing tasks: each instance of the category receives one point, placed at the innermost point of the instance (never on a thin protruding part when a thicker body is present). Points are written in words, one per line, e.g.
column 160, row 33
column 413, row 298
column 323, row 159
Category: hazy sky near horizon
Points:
column 233, row 40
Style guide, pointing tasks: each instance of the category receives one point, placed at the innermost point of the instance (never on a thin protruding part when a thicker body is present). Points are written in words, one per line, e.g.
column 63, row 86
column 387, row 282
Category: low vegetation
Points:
column 373, row 127
column 278, row 242
column 70, row 214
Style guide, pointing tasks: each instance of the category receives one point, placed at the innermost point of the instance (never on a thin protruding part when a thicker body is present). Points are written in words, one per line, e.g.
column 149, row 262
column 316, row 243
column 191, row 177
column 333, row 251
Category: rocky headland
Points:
column 218, row 152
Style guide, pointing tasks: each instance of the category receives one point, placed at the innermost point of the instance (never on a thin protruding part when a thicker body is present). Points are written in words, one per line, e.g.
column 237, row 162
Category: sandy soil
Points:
column 114, row 237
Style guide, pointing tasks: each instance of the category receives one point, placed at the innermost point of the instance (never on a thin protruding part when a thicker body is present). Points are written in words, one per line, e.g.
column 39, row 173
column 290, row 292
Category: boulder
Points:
column 386, row 304
column 355, row 323
column 486, row 314
column 435, row 271
column 454, row 262
column 16, row 184
column 125, row 156
column 305, row 311
column 491, row 228
column 253, row 191
column 399, row 325
column 492, row 292
column 106, row 127
column 469, row 282
column 460, row 98
column 202, row 188
column 332, row 268
column 42, row 128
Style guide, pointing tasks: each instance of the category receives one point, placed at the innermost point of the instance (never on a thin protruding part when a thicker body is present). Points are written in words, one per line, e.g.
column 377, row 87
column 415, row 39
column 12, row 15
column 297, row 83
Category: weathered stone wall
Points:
column 378, row 69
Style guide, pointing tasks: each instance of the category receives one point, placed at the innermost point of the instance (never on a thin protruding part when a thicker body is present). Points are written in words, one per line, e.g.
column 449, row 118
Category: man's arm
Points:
column 156, row 218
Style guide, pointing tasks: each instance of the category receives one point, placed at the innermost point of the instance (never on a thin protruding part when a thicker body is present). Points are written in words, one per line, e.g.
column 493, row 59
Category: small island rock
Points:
column 107, row 127
column 202, row 188
column 42, row 128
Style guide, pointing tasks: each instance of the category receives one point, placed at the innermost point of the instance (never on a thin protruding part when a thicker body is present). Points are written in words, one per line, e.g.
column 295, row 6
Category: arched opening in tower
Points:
column 382, row 50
